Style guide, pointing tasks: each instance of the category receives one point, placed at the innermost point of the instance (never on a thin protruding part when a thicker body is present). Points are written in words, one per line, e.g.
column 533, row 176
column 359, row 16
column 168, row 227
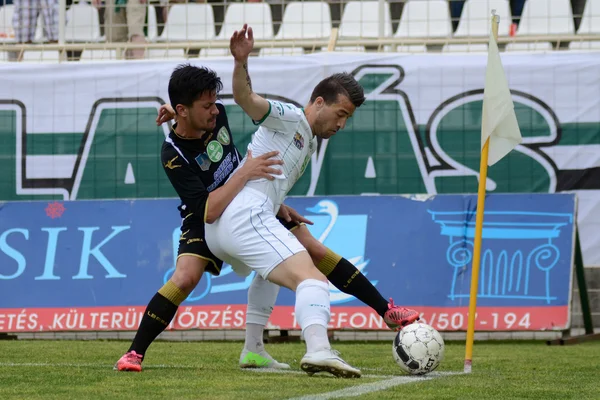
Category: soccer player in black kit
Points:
column 199, row 157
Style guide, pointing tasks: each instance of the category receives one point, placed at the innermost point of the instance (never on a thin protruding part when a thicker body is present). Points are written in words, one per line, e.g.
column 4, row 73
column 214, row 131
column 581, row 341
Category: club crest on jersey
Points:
column 214, row 151
column 223, row 136
column 203, row 161
column 298, row 141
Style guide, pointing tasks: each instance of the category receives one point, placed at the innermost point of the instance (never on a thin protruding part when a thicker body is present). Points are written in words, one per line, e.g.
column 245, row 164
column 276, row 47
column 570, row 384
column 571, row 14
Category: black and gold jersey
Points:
column 196, row 167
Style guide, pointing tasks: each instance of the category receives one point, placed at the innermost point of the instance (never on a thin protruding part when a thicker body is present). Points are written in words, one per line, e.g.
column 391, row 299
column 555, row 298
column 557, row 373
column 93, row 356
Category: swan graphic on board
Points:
column 343, row 234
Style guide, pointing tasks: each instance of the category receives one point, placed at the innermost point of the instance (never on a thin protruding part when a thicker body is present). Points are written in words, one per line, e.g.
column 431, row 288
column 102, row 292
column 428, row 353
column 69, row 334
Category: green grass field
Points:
column 208, row 370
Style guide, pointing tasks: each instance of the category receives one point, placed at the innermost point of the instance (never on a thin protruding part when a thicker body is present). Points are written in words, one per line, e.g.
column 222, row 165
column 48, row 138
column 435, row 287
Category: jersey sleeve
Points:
column 185, row 181
column 282, row 117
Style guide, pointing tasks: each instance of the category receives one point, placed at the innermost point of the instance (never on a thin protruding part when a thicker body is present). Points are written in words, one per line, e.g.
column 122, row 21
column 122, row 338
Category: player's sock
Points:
column 347, row 278
column 254, row 337
column 157, row 316
column 262, row 295
column 316, row 338
column 313, row 313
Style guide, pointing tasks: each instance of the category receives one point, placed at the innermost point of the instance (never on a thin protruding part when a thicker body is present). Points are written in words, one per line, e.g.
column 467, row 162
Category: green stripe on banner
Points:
column 580, row 133
column 53, row 144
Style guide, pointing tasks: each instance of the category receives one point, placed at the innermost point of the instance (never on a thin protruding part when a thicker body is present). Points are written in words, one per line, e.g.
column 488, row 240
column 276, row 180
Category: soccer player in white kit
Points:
column 248, row 235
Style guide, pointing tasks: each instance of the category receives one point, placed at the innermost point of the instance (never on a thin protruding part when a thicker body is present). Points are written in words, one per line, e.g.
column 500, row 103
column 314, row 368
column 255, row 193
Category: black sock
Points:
column 347, row 278
column 157, row 316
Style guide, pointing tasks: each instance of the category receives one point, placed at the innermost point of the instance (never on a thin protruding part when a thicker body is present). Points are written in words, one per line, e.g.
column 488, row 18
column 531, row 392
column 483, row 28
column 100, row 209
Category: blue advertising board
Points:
column 94, row 265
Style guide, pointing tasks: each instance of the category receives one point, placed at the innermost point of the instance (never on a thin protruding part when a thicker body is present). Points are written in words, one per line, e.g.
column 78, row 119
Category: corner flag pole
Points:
column 483, row 167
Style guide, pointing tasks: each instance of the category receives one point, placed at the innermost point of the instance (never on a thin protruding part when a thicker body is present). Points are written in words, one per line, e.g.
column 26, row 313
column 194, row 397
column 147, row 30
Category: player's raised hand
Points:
column 165, row 113
column 262, row 166
column 242, row 43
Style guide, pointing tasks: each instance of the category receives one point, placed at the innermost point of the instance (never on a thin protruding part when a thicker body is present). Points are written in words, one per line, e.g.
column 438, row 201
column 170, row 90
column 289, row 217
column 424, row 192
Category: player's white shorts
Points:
column 249, row 237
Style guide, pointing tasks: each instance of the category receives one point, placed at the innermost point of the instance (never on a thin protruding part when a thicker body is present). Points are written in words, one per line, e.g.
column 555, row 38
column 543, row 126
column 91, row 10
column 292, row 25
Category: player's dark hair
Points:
column 188, row 83
column 342, row 83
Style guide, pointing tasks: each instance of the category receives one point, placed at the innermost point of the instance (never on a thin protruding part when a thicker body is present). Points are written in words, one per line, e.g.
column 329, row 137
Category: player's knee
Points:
column 188, row 272
column 314, row 273
column 291, row 272
column 304, row 271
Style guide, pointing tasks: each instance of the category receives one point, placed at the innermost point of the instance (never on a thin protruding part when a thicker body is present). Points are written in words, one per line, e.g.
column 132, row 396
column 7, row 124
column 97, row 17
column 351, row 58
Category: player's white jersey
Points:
column 285, row 129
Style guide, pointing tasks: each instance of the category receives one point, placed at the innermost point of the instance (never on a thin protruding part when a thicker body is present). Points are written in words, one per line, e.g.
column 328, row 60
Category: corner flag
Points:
column 499, row 122
column 499, row 135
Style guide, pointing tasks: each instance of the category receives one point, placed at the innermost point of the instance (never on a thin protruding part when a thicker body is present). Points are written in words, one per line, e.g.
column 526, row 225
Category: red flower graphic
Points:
column 55, row 210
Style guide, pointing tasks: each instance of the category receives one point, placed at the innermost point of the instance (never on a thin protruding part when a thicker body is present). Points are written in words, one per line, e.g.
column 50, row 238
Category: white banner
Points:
column 417, row 133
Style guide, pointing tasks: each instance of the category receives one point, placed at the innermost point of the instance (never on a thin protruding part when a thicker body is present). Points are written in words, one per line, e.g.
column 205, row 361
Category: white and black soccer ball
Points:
column 418, row 349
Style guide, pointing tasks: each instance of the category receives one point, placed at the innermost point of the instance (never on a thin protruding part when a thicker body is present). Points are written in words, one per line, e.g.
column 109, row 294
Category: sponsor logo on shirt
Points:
column 203, row 161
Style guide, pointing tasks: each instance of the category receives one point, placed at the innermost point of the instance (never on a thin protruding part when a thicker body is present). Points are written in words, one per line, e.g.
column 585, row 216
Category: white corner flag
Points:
column 499, row 121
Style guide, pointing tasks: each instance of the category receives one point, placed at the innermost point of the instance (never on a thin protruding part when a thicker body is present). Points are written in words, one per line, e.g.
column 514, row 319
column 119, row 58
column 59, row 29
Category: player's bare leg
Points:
column 312, row 311
column 347, row 278
column 161, row 310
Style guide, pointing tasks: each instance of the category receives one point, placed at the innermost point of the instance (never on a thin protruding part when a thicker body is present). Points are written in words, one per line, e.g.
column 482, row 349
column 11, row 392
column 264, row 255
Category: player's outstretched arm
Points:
column 241, row 45
column 193, row 192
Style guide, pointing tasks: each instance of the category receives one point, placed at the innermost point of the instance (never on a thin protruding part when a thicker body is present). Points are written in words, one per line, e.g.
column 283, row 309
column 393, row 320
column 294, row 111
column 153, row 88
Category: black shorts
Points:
column 192, row 243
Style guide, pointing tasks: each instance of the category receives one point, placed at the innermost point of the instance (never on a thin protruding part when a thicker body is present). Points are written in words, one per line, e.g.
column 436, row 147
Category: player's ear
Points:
column 319, row 102
column 181, row 110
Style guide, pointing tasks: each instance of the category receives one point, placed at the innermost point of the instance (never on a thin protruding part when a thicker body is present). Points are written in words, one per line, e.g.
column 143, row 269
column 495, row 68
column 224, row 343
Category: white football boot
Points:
column 328, row 361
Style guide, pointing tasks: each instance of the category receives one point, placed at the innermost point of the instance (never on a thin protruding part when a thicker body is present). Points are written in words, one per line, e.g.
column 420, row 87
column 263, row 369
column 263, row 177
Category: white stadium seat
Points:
column 189, row 22
column 83, row 24
column 476, row 18
column 256, row 15
column 425, row 18
column 305, row 20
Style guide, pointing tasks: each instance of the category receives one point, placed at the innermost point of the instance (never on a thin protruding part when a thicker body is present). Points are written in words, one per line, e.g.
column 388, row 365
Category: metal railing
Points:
column 381, row 40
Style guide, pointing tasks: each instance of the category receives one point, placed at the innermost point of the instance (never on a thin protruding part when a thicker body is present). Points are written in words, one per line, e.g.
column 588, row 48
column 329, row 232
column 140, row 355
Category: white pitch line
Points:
column 359, row 390
column 73, row 365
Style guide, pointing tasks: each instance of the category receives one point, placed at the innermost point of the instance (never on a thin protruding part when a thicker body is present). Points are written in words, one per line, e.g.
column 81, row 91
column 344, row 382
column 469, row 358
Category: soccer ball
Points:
column 418, row 349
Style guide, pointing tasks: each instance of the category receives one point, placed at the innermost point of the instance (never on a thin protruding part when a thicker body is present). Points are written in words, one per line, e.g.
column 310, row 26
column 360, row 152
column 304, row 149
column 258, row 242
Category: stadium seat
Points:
column 152, row 34
column 590, row 19
column 40, row 35
column 98, row 55
column 189, row 22
column 302, row 20
column 475, row 19
column 590, row 25
column 360, row 19
column 546, row 17
column 256, row 15
column 83, row 24
column 3, row 56
column 7, row 34
column 305, row 20
column 543, row 17
column 425, row 18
